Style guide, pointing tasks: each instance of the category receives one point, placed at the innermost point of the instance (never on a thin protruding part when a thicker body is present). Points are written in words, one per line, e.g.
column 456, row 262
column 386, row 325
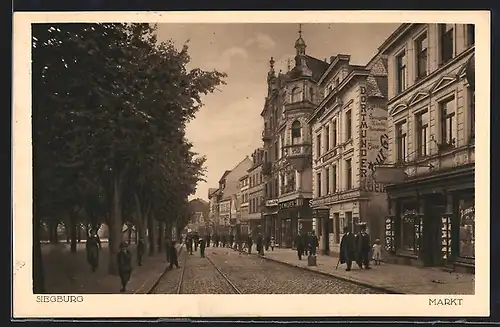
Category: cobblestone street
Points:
column 250, row 275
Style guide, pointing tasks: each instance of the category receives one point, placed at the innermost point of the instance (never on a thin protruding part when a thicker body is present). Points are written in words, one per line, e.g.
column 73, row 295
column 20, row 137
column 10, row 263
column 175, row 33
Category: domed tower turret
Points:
column 300, row 44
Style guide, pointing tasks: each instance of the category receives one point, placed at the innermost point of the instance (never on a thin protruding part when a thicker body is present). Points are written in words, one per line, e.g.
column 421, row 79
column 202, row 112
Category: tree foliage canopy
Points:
column 110, row 107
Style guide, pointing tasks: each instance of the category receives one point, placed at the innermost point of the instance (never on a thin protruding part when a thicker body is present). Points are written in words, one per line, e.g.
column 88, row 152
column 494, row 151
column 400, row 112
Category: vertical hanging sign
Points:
column 389, row 234
column 446, row 237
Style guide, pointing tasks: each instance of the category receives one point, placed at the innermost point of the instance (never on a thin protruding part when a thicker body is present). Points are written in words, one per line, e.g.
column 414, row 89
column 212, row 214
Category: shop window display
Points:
column 467, row 228
column 410, row 230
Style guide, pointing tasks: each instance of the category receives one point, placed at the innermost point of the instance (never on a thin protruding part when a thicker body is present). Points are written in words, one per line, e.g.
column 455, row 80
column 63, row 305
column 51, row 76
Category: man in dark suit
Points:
column 347, row 248
column 363, row 247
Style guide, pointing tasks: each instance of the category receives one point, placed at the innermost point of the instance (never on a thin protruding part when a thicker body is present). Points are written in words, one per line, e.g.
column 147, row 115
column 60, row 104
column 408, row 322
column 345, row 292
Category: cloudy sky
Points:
column 229, row 126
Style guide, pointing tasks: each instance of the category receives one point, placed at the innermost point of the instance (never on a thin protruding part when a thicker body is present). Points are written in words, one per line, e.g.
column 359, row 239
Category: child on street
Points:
column 377, row 252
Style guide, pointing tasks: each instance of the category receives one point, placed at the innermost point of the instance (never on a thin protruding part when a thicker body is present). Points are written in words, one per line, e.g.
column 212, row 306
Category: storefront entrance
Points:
column 431, row 231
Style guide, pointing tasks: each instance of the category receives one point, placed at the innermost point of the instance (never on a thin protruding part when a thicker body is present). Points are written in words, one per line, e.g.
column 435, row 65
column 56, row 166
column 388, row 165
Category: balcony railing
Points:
column 297, row 150
column 266, row 168
column 301, row 105
column 266, row 135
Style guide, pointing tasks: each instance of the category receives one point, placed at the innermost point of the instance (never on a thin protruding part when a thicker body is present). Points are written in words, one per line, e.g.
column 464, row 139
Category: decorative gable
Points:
column 442, row 83
column 397, row 108
column 417, row 97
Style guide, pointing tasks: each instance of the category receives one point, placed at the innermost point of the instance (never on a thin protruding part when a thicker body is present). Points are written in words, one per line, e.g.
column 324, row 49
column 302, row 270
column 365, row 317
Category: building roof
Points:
column 224, row 175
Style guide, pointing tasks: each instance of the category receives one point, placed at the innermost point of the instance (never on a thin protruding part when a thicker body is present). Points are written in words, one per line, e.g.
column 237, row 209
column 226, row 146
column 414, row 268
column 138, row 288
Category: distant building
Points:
column 226, row 196
column 198, row 215
column 349, row 137
column 243, row 199
column 431, row 145
column 291, row 98
column 255, row 191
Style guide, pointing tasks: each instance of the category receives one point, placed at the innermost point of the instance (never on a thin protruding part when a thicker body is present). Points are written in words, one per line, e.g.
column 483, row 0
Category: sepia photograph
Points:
column 251, row 158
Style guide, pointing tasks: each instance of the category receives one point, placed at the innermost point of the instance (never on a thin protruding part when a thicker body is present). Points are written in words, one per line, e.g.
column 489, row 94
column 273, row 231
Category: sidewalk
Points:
column 67, row 272
column 389, row 277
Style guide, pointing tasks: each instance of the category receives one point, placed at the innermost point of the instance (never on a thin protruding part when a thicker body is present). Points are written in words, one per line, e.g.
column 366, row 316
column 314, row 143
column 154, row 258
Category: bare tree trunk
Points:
column 151, row 232
column 161, row 237
column 79, row 233
column 72, row 229
column 38, row 274
column 115, row 227
column 54, row 238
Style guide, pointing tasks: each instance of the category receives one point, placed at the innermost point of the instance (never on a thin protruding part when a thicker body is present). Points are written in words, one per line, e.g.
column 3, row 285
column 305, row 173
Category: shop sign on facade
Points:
column 272, row 203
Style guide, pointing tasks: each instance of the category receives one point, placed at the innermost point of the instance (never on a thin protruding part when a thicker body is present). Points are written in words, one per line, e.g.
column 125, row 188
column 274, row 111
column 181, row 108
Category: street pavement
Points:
column 390, row 277
column 67, row 272
column 277, row 272
column 250, row 275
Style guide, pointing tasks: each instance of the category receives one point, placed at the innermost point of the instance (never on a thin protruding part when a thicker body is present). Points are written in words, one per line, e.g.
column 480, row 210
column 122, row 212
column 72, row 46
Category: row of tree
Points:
column 110, row 105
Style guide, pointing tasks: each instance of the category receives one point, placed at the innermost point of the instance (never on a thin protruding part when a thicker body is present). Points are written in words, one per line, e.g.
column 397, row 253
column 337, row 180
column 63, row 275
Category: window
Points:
column 470, row 34
column 327, row 138
column 401, row 72
column 296, row 132
column 318, row 145
column 334, row 179
column 318, row 184
column 296, row 95
column 421, row 50
column 337, row 228
column 348, row 222
column 401, row 141
column 334, row 132
column 409, row 219
column 446, row 42
column 423, row 136
column 276, row 150
column 467, row 227
column 348, row 123
column 327, row 181
column 348, row 168
column 448, row 128
column 472, row 113
column 311, row 94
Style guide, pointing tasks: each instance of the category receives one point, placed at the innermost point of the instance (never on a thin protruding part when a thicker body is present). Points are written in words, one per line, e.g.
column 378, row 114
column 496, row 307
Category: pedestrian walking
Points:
column 140, row 251
column 124, row 265
column 173, row 255
column 306, row 243
column 260, row 245
column 267, row 241
column 92, row 247
column 168, row 242
column 377, row 252
column 250, row 243
column 313, row 243
column 208, row 240
column 273, row 243
column 347, row 248
column 196, row 239
column 299, row 244
column 202, row 248
column 363, row 247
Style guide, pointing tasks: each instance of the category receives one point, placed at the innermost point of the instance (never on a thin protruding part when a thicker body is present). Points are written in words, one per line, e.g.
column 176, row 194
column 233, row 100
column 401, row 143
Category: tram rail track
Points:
column 180, row 283
column 153, row 288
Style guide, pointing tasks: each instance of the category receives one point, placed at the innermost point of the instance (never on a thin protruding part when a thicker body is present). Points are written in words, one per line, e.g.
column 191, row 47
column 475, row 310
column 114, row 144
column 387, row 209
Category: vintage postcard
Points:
column 251, row 164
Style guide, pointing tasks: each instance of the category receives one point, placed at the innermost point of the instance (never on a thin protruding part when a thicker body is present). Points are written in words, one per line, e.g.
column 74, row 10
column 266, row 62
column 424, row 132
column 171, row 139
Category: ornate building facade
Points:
column 349, row 129
column 291, row 98
column 431, row 145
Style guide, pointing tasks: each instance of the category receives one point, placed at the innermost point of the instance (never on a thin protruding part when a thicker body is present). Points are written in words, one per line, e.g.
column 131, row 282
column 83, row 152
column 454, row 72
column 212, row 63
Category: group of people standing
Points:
column 357, row 248
column 306, row 243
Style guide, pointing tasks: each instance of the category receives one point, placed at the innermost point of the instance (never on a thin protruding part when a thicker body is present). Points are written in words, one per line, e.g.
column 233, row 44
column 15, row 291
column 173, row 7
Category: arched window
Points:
column 296, row 95
column 311, row 94
column 296, row 132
